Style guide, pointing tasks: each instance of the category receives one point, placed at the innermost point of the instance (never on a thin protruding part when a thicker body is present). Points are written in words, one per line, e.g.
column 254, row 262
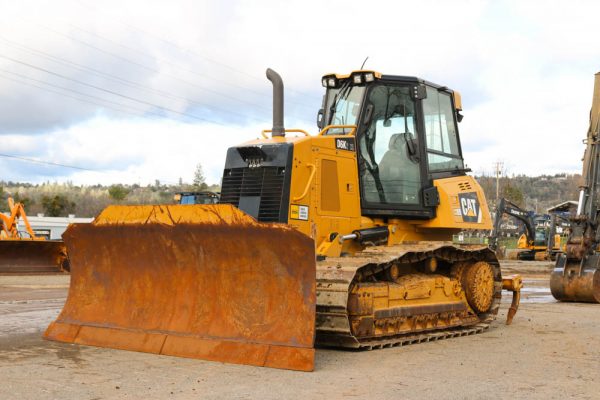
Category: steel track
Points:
column 335, row 277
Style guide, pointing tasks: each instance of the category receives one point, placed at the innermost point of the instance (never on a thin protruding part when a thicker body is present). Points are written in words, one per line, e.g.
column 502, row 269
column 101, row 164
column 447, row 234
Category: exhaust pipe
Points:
column 275, row 78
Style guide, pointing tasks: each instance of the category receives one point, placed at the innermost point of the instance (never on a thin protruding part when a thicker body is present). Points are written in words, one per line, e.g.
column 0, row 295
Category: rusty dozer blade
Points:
column 32, row 256
column 198, row 281
column 576, row 281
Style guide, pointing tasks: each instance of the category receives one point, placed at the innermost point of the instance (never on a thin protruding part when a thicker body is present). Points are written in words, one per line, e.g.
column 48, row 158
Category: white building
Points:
column 50, row 227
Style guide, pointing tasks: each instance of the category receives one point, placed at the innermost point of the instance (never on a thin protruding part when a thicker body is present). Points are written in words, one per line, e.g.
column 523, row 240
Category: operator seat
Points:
column 399, row 176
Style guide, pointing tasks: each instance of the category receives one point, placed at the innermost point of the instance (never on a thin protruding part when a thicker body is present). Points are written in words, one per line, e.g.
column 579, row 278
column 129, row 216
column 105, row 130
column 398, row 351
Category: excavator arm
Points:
column 507, row 207
column 576, row 276
column 10, row 223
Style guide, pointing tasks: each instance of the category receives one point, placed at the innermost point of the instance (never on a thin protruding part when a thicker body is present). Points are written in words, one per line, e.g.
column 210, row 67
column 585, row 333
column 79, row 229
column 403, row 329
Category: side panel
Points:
column 332, row 194
column 462, row 205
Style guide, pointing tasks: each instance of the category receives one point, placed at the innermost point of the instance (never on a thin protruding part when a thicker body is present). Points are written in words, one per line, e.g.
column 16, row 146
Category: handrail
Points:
column 310, row 178
column 328, row 127
column 265, row 131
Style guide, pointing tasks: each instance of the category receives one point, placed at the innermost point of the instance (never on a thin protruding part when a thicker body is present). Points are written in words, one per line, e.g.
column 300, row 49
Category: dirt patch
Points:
column 550, row 352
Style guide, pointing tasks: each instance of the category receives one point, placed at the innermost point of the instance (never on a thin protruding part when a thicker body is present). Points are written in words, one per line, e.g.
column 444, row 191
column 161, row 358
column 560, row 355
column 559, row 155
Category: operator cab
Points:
column 400, row 122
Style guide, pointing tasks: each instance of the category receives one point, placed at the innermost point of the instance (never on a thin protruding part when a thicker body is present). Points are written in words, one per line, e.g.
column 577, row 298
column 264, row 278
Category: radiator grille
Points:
column 264, row 182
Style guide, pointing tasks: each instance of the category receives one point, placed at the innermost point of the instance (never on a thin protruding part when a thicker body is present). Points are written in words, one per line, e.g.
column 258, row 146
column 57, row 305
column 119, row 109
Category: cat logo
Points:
column 469, row 207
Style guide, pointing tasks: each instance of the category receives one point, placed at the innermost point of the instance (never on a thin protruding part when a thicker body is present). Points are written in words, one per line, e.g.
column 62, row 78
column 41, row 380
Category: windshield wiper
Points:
column 341, row 94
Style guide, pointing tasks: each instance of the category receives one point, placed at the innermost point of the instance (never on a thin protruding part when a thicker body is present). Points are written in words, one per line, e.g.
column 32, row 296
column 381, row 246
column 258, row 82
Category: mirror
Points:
column 320, row 120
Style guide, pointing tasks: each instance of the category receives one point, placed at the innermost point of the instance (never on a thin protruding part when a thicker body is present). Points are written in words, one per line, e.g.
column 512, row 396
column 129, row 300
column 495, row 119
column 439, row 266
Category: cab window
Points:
column 443, row 151
column 188, row 199
column 342, row 107
column 389, row 165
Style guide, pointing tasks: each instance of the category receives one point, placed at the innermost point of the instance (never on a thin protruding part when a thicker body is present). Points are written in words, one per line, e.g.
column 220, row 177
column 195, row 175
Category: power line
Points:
column 33, row 160
column 111, row 91
column 138, row 111
column 53, row 164
column 179, row 66
column 118, row 79
column 154, row 70
column 151, row 69
column 188, row 51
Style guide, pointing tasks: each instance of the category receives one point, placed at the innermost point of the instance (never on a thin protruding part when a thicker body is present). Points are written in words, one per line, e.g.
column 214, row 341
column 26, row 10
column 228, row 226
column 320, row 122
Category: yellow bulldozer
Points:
column 22, row 251
column 339, row 239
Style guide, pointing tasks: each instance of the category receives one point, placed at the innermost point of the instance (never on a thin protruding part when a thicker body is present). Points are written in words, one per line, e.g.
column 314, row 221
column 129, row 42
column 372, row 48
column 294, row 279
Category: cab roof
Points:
column 397, row 78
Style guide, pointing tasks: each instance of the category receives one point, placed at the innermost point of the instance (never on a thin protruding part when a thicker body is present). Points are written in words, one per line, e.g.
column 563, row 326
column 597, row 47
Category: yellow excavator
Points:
column 535, row 243
column 23, row 251
column 339, row 239
column 576, row 275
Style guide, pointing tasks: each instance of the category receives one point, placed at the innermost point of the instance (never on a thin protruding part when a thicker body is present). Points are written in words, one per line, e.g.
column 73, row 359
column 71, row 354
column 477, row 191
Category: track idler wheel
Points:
column 478, row 281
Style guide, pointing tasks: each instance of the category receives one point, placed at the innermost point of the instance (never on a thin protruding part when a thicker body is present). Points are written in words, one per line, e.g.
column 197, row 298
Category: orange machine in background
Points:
column 29, row 253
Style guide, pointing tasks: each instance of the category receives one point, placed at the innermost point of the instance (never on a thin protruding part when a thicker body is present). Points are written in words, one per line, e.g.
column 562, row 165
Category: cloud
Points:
column 191, row 78
column 132, row 151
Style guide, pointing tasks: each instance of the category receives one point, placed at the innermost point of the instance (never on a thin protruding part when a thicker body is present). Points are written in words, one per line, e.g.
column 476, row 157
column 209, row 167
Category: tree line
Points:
column 537, row 193
column 62, row 199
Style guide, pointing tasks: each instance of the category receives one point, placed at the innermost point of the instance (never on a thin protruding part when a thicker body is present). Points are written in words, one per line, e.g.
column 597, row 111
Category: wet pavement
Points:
column 29, row 303
column 551, row 351
column 536, row 291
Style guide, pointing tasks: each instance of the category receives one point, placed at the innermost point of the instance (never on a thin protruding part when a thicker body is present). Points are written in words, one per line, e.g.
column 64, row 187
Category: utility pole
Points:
column 498, row 167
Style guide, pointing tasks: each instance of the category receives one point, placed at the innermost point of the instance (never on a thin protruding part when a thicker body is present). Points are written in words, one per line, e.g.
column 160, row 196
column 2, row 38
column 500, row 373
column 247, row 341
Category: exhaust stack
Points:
column 275, row 78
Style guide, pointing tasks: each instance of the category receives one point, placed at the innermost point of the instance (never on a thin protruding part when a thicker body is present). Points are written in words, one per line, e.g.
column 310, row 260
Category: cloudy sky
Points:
column 134, row 91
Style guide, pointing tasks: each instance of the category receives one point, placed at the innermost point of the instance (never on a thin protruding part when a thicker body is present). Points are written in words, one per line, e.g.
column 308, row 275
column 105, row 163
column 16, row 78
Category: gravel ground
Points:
column 552, row 351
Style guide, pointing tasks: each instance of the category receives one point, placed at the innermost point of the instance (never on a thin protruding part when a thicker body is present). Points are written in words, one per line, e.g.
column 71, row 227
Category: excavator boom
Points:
column 576, row 276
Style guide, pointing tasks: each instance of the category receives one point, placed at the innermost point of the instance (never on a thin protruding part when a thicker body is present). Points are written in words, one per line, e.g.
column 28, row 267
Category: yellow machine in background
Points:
column 540, row 252
column 29, row 254
column 346, row 235
column 537, row 242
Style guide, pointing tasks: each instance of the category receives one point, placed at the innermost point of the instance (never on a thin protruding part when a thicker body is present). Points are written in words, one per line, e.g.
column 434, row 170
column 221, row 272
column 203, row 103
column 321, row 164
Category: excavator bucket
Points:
column 576, row 281
column 25, row 256
column 198, row 281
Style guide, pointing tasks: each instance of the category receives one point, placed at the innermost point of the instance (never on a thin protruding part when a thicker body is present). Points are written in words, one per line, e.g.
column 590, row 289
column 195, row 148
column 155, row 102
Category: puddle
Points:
column 536, row 294
column 538, row 299
column 535, row 290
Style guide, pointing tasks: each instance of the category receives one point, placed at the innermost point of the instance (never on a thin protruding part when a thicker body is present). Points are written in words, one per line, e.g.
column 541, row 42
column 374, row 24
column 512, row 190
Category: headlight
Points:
column 369, row 77
column 357, row 79
column 331, row 82
column 324, row 82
